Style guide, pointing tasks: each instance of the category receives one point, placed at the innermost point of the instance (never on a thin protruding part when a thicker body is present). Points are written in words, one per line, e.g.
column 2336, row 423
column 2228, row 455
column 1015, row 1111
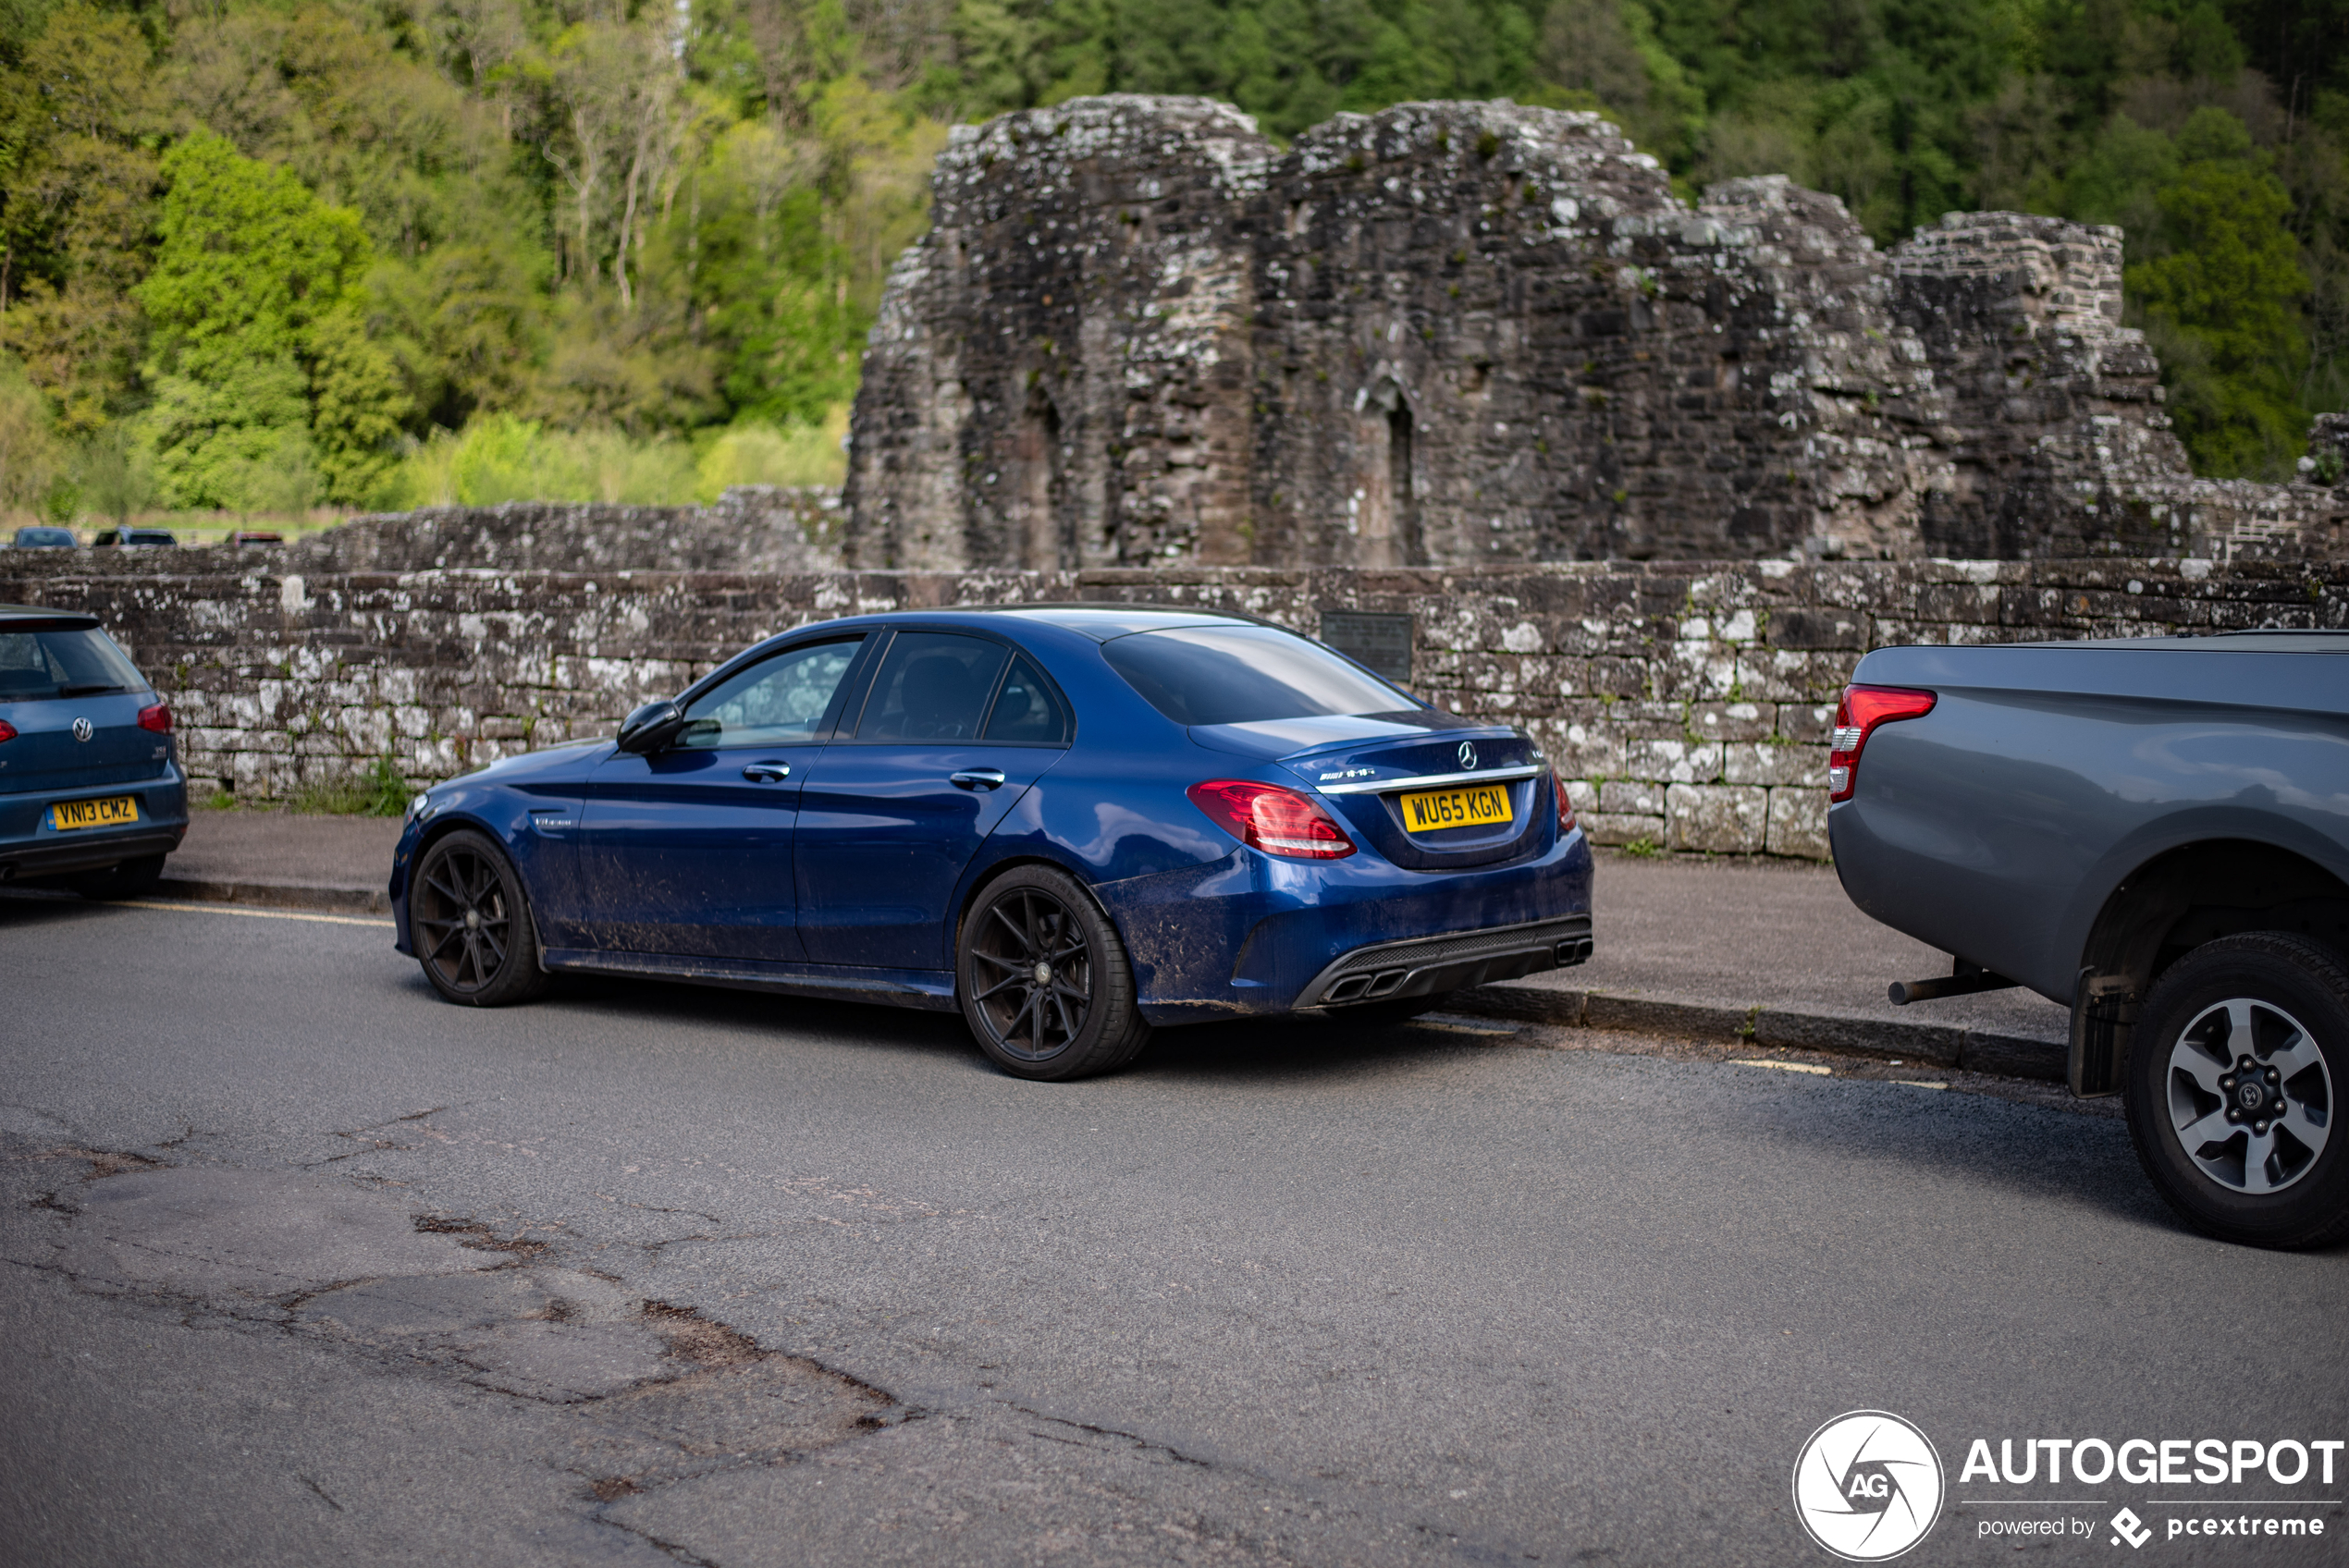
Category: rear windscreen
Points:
column 1245, row 675
column 62, row 664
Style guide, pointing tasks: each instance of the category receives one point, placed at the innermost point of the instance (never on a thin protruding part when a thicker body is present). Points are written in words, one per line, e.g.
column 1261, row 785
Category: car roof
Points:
column 1103, row 622
column 53, row 620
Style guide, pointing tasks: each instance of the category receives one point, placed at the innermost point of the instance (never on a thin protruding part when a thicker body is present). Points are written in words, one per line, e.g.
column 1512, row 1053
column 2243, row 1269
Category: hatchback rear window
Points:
column 62, row 664
column 1245, row 675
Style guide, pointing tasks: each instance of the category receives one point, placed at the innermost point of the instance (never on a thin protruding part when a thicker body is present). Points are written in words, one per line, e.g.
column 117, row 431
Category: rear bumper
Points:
column 53, row 857
column 1249, row 935
column 30, row 847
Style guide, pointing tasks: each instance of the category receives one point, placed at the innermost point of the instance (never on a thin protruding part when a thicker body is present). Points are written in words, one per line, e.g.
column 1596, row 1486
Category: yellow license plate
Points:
column 1432, row 809
column 67, row 814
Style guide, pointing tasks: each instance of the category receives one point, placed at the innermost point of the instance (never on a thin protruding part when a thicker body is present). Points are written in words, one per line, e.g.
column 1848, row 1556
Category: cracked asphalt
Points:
column 300, row 1265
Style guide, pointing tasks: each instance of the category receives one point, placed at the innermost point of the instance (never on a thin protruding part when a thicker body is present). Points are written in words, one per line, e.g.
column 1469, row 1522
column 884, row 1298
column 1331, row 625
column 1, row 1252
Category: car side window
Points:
column 933, row 686
column 776, row 702
column 1027, row 710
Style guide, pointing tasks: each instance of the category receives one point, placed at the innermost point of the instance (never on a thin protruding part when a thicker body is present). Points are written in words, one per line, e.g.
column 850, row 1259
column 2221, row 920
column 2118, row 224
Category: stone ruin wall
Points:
column 1687, row 702
column 1470, row 335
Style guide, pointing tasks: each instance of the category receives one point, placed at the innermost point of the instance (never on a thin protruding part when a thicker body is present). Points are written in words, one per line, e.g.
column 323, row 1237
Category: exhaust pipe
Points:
column 1963, row 980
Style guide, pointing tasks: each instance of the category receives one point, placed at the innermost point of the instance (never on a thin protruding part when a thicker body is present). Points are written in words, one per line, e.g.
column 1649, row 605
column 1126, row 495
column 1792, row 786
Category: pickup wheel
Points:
column 2235, row 1069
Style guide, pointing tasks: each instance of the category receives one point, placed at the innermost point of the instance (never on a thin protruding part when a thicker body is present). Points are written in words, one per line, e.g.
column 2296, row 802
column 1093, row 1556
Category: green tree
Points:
column 252, row 300
column 2220, row 298
column 76, row 208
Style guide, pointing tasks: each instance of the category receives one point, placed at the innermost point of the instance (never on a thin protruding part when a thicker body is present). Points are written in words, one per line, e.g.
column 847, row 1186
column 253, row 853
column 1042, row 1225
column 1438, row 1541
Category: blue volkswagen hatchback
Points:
column 1072, row 822
column 90, row 791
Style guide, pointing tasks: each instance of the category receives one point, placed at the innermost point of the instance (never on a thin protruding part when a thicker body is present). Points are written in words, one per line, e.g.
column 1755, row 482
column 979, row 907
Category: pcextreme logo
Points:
column 1867, row 1485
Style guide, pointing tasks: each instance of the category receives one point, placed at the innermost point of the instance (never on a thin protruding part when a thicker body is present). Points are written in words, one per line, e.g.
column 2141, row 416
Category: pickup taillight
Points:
column 1856, row 716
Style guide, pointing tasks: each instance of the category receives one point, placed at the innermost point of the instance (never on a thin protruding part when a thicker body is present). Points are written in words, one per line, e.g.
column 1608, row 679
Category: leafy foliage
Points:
column 263, row 252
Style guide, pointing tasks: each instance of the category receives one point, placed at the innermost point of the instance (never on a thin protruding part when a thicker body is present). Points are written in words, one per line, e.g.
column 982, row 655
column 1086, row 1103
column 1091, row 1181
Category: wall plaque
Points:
column 1381, row 642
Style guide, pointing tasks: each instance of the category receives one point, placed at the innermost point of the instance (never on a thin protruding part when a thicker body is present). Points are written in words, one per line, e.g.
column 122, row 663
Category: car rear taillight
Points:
column 1856, row 716
column 1265, row 816
column 1566, row 806
column 8, row 730
column 157, row 718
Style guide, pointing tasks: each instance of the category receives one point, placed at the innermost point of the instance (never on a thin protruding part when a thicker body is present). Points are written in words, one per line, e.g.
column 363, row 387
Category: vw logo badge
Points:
column 83, row 729
column 1468, row 754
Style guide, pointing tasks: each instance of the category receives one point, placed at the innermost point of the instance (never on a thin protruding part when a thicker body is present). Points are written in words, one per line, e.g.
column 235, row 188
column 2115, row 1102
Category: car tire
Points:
column 1385, row 1015
column 469, row 923
column 1083, row 1017
column 127, row 880
column 2235, row 1067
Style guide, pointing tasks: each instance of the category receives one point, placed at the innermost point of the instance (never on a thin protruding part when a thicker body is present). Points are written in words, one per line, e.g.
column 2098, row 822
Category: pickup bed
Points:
column 2154, row 832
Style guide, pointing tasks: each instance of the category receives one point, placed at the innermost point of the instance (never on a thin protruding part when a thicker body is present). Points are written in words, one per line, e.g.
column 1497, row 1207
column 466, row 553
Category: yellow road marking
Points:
column 254, row 913
column 1919, row 1083
column 1784, row 1066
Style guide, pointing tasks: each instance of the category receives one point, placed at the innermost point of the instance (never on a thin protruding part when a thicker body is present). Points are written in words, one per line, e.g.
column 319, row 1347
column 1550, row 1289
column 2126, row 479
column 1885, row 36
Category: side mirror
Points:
column 652, row 727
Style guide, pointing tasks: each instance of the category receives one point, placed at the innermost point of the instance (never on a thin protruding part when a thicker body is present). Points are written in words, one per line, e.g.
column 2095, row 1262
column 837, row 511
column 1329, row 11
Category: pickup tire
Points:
column 2236, row 1066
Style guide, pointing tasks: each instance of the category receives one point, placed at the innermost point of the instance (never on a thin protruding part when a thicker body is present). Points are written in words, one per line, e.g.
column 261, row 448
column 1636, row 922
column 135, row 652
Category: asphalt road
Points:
column 300, row 1265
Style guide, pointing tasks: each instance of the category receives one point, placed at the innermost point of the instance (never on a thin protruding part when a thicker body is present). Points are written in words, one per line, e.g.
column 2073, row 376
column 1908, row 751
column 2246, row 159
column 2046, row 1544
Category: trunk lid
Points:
column 48, row 755
column 1365, row 769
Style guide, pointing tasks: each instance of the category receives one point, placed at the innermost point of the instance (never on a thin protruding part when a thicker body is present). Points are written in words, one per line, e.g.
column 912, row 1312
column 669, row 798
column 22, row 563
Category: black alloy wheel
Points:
column 469, row 923
column 1044, row 981
column 2235, row 1068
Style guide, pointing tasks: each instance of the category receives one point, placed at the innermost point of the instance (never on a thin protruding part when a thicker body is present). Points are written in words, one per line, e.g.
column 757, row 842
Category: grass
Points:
column 1642, row 848
column 382, row 791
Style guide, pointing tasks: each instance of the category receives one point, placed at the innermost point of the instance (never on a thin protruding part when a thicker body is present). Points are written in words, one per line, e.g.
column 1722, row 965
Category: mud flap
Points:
column 2103, row 1009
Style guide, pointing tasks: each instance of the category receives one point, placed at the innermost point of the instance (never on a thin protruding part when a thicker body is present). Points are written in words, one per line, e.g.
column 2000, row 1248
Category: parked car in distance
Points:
column 256, row 536
column 110, row 537
column 2154, row 832
column 45, row 538
column 1071, row 823
column 91, row 791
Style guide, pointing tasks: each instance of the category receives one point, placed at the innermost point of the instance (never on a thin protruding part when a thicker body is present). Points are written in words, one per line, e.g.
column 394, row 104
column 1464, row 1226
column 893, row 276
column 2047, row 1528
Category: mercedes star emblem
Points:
column 1468, row 755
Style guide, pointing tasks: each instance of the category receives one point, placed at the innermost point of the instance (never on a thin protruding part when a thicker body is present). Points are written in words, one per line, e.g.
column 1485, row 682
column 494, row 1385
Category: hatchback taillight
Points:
column 1856, row 716
column 157, row 718
column 1566, row 806
column 1265, row 816
column 8, row 730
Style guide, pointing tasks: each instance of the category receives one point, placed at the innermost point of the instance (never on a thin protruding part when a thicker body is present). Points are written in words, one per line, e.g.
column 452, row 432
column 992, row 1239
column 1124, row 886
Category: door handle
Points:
column 978, row 778
column 767, row 772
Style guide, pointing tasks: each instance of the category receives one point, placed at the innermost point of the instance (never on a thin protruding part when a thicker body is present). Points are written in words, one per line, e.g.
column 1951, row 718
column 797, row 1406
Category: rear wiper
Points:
column 88, row 691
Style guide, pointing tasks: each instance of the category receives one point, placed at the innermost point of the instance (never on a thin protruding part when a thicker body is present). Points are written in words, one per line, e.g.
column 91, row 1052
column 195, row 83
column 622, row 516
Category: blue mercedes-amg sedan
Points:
column 1071, row 822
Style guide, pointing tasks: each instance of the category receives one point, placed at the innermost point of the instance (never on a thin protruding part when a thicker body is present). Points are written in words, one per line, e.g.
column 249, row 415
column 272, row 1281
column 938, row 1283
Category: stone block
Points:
column 1798, row 824
column 1718, row 818
column 1605, row 828
column 1804, row 766
column 1732, row 721
column 1672, row 761
column 1807, row 723
column 1631, row 798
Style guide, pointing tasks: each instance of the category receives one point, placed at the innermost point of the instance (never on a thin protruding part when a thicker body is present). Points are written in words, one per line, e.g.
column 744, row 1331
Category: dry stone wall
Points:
column 1473, row 335
column 1689, row 704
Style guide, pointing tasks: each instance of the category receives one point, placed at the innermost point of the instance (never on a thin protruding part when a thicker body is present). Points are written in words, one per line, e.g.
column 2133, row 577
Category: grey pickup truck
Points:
column 2154, row 832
